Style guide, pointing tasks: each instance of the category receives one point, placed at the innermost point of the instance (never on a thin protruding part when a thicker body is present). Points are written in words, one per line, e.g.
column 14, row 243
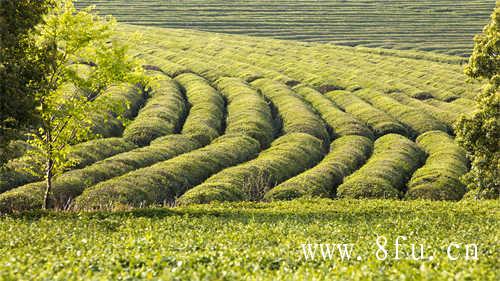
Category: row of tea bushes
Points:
column 378, row 121
column 17, row 171
column 288, row 156
column 449, row 106
column 121, row 99
column 296, row 115
column 394, row 160
column 346, row 155
column 248, row 111
column 170, row 68
column 167, row 180
column 416, row 121
column 439, row 178
column 342, row 123
column 71, row 184
column 206, row 113
column 163, row 113
column 445, row 116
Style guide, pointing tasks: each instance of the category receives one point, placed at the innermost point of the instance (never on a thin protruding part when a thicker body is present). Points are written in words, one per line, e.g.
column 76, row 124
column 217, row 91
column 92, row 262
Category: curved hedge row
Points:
column 377, row 120
column 296, row 115
column 346, row 155
column 449, row 106
column 445, row 116
column 394, row 160
column 439, row 178
column 248, row 112
column 287, row 156
column 15, row 172
column 205, row 119
column 342, row 123
column 169, row 179
column 416, row 121
column 162, row 115
column 170, row 68
column 71, row 184
column 127, row 96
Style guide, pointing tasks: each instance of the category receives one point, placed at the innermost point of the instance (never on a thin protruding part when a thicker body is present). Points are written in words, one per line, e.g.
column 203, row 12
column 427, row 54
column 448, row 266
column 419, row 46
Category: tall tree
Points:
column 66, row 98
column 480, row 134
column 22, row 65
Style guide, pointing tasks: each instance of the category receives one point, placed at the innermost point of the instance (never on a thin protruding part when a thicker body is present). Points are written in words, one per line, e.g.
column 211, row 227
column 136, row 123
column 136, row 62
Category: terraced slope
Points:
column 445, row 26
column 233, row 118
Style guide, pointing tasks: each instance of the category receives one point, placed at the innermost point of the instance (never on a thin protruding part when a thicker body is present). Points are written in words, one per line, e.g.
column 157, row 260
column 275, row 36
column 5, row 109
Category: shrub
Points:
column 248, row 112
column 106, row 123
column 296, row 115
column 167, row 180
column 394, row 160
column 162, row 115
column 378, row 121
column 346, row 155
column 454, row 107
column 71, row 184
column 205, row 120
column 445, row 116
column 342, row 123
column 17, row 171
column 439, row 178
column 416, row 121
column 287, row 156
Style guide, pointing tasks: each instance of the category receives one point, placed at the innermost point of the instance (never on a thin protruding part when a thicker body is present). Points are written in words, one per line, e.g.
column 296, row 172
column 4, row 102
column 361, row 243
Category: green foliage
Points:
column 22, row 65
column 378, row 121
column 25, row 169
column 206, row 113
column 394, row 160
column 439, row 178
column 71, row 184
column 342, row 123
column 445, row 116
column 287, row 156
column 162, row 115
column 167, row 180
column 69, row 35
column 257, row 241
column 296, row 115
column 248, row 112
column 479, row 134
column 416, row 121
column 346, row 155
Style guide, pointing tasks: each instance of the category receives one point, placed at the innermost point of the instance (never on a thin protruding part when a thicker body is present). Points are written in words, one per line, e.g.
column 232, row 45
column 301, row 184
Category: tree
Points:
column 65, row 97
column 480, row 134
column 21, row 67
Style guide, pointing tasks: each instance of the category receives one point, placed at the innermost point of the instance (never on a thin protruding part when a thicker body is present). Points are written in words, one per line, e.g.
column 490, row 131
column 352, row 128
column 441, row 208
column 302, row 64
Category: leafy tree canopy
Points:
column 480, row 134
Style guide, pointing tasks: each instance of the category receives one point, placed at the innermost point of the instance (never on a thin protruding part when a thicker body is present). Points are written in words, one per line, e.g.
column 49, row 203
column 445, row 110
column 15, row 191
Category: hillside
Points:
column 443, row 26
column 235, row 118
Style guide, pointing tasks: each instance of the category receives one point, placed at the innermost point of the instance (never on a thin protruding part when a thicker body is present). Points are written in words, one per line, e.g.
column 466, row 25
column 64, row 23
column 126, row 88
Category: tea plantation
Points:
column 242, row 148
column 444, row 26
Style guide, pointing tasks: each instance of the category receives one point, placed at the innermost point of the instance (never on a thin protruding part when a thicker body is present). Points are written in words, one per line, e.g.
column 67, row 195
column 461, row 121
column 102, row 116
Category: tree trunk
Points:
column 48, row 188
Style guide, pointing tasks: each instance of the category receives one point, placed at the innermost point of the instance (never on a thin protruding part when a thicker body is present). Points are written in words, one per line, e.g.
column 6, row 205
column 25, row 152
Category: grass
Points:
column 442, row 26
column 257, row 241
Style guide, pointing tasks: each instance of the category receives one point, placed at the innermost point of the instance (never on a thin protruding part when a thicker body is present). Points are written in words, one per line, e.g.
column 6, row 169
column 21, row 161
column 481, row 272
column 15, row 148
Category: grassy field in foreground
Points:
column 444, row 26
column 251, row 241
